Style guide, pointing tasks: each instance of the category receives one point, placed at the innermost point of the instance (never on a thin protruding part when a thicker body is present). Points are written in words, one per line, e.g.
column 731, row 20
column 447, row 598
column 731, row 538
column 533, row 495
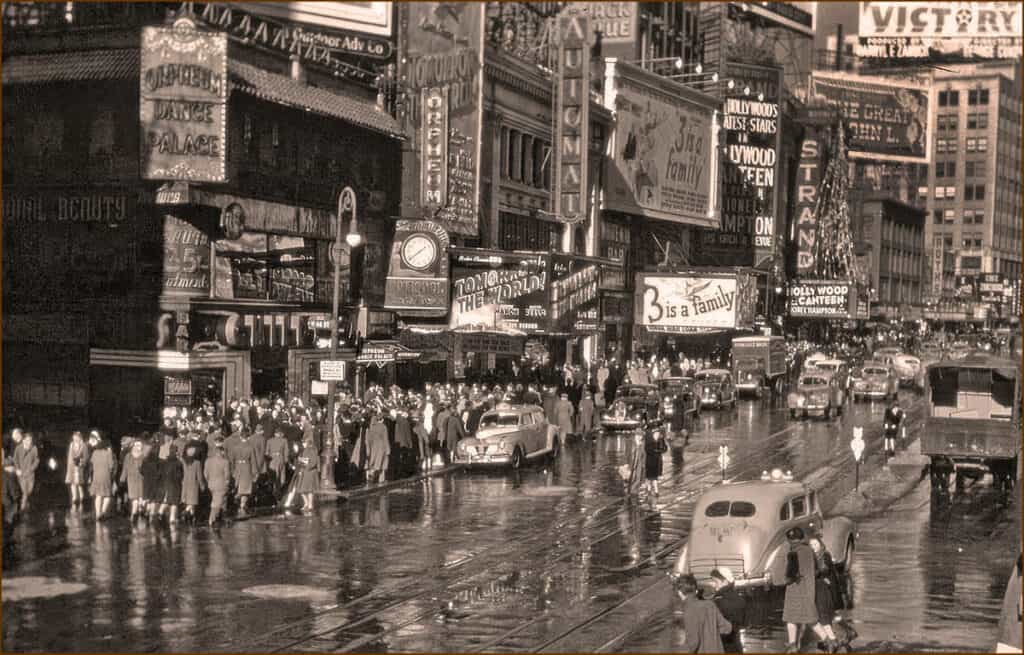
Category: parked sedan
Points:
column 743, row 526
column 634, row 405
column 509, row 435
column 716, row 388
column 816, row 393
column 875, row 380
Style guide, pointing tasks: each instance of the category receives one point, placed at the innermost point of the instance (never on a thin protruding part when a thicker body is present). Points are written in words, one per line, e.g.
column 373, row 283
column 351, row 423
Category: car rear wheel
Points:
column 517, row 458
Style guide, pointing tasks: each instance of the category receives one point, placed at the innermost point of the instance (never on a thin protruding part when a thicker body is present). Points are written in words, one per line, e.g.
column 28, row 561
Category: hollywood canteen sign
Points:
column 417, row 283
column 183, row 100
column 886, row 120
column 823, row 299
column 665, row 148
column 572, row 102
column 444, row 50
column 750, row 167
column 894, row 30
column 681, row 302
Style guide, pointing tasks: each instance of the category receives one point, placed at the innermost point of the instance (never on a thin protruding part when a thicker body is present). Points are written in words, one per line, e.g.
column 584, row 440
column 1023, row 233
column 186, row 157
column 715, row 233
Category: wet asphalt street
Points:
column 551, row 559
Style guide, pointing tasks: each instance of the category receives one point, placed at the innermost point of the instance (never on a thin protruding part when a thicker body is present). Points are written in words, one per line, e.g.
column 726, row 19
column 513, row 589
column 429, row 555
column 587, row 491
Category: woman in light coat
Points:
column 77, row 468
column 131, row 476
column 103, row 467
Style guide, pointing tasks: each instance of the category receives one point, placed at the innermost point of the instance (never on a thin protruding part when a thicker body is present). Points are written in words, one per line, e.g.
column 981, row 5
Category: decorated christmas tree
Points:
column 835, row 257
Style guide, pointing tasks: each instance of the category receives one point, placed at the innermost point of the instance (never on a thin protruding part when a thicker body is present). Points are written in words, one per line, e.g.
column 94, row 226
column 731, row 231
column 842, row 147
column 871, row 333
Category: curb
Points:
column 369, row 490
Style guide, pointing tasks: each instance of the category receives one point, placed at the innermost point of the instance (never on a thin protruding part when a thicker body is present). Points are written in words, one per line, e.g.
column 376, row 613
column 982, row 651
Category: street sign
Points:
column 857, row 444
column 332, row 371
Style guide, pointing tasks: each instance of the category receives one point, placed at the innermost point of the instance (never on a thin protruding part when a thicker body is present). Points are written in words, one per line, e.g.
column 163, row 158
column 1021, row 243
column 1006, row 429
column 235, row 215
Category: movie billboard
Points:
column 496, row 290
column 702, row 300
column 665, row 160
column 823, row 299
column 941, row 30
column 886, row 120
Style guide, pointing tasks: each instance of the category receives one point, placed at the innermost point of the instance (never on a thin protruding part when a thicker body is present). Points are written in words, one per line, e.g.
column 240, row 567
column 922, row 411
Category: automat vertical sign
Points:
column 572, row 117
column 183, row 90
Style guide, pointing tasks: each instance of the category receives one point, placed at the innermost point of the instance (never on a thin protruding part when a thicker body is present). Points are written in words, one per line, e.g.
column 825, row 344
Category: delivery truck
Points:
column 759, row 365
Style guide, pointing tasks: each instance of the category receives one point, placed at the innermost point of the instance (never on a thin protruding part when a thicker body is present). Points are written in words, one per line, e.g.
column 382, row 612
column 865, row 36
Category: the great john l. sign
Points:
column 183, row 102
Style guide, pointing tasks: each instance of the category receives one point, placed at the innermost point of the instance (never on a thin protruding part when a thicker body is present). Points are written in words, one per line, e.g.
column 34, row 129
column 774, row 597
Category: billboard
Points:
column 750, row 169
column 808, row 182
column 798, row 16
column 886, row 120
column 682, row 302
column 360, row 17
column 966, row 287
column 492, row 289
column 183, row 91
column 824, row 299
column 895, row 30
column 574, row 301
column 665, row 159
column 417, row 283
column 444, row 45
column 991, row 287
column 617, row 22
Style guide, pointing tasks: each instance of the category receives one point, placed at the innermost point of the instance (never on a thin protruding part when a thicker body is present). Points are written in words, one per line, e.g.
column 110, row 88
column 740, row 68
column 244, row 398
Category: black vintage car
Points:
column 633, row 406
column 670, row 387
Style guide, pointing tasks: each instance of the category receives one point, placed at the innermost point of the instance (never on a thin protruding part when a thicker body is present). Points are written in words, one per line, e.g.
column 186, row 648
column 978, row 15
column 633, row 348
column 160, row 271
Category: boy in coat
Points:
column 702, row 620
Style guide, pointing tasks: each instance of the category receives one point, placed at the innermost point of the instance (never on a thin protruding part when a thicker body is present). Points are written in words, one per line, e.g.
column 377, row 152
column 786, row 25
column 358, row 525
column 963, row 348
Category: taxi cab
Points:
column 743, row 526
column 509, row 435
column 817, row 392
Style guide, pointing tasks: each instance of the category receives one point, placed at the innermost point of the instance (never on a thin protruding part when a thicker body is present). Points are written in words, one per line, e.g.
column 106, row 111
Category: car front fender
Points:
column 835, row 532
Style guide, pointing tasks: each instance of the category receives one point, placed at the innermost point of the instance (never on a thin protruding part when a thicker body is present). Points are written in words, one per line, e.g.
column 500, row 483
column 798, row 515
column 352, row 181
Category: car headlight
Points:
column 502, row 446
column 800, row 400
column 461, row 447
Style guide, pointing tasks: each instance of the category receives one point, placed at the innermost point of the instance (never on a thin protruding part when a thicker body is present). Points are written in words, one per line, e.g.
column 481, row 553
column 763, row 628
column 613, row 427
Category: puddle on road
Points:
column 32, row 587
column 290, row 592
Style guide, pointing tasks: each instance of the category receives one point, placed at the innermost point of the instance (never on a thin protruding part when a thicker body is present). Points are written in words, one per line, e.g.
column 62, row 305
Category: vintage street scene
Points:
column 508, row 327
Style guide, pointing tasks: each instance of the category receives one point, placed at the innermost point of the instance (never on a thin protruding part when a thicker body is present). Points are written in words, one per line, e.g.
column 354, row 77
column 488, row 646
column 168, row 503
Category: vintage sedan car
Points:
column 875, row 380
column 509, row 435
column 670, row 387
column 839, row 370
column 908, row 370
column 634, row 405
column 817, row 392
column 715, row 388
column 743, row 526
column 811, row 361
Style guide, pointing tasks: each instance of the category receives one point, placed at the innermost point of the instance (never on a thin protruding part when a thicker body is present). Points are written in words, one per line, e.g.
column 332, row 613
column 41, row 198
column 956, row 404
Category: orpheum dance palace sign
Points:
column 183, row 100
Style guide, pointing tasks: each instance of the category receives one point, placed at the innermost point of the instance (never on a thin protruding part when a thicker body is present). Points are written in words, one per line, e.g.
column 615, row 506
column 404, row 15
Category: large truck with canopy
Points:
column 759, row 364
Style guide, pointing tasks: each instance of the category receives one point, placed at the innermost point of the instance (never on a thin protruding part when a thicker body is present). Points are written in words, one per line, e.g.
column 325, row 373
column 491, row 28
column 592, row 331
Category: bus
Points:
column 972, row 425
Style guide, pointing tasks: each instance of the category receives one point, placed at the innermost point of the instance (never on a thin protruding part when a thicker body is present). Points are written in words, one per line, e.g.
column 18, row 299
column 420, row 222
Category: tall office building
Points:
column 973, row 194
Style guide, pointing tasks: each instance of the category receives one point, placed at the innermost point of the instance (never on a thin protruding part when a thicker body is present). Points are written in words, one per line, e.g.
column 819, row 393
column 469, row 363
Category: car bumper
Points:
column 809, row 408
column 484, row 460
column 619, row 423
column 871, row 393
column 750, row 385
column 710, row 402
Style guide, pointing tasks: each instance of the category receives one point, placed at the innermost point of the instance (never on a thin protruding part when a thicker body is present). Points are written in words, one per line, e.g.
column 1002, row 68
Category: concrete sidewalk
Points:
column 371, row 489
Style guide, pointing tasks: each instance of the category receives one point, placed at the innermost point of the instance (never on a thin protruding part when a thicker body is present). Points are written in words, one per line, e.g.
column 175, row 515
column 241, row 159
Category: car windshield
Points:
column 872, row 370
column 813, row 382
column 675, row 386
column 736, row 508
column 828, row 367
column 709, row 377
column 499, row 421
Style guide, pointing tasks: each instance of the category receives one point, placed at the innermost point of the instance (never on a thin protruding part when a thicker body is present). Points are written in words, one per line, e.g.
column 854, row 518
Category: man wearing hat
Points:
column 243, row 465
column 731, row 604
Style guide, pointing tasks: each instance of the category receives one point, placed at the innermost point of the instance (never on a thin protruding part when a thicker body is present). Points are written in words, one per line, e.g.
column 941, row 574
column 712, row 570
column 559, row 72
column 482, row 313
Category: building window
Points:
column 972, row 145
column 968, row 216
column 949, row 215
column 528, row 233
column 969, row 168
column 937, row 216
column 982, row 144
column 945, row 169
column 977, row 121
column 979, row 192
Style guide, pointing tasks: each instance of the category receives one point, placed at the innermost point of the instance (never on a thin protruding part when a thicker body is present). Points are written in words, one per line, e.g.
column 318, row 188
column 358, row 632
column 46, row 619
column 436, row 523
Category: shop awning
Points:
column 283, row 90
column 78, row 66
column 123, row 64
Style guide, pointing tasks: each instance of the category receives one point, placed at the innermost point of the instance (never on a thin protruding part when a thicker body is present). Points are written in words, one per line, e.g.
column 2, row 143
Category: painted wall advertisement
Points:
column 417, row 283
column 683, row 302
column 887, row 120
column 183, row 90
column 444, row 51
column 823, row 299
column 894, row 30
column 665, row 148
column 750, row 168
column 572, row 123
column 574, row 304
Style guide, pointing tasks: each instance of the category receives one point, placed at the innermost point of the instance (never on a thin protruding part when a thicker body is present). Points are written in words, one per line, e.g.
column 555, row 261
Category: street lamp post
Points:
column 346, row 202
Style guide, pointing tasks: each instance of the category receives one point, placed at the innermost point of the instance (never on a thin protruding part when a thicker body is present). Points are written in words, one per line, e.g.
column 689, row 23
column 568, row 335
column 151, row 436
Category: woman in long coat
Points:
column 636, row 476
column 192, row 482
column 585, row 417
column 103, row 467
column 131, row 476
column 799, row 609
column 378, row 450
column 309, row 472
column 172, row 473
column 243, row 468
column 654, row 448
column 77, row 468
column 152, row 486
column 217, row 472
column 563, row 416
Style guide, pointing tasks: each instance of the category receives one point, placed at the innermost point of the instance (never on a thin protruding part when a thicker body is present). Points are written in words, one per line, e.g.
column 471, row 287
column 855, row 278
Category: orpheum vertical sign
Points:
column 182, row 105
column 572, row 117
column 442, row 73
